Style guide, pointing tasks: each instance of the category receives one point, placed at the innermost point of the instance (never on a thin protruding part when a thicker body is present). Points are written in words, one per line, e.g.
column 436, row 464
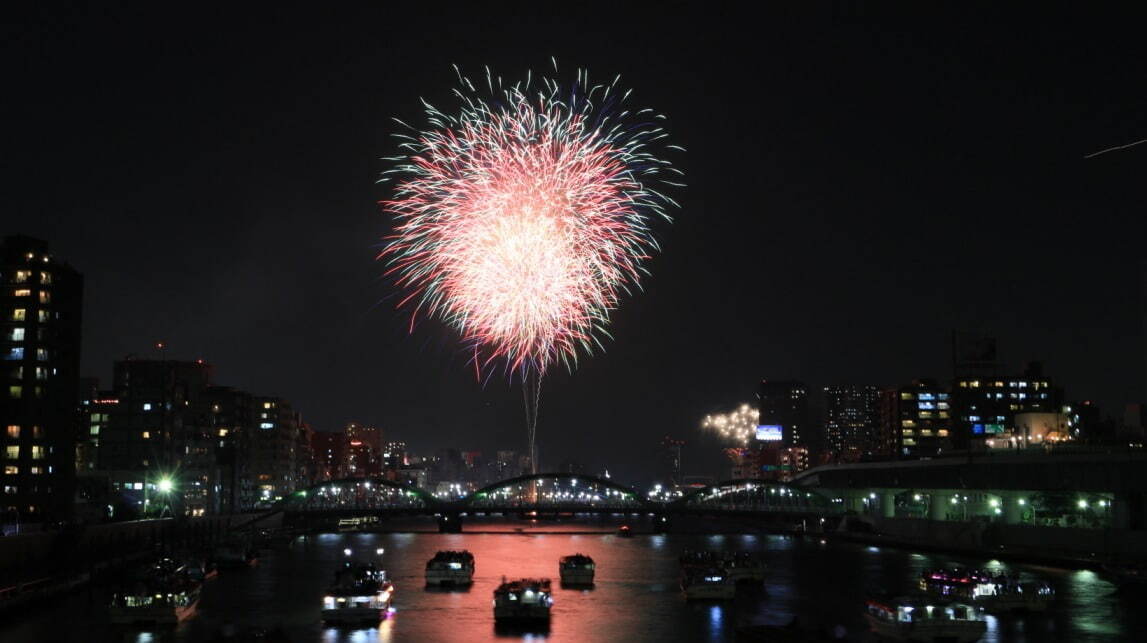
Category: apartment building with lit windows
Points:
column 986, row 406
column 917, row 420
column 40, row 317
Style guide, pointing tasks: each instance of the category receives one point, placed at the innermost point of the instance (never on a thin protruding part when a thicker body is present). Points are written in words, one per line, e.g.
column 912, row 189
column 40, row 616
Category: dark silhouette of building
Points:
column 669, row 461
column 40, row 308
column 330, row 450
column 852, row 420
column 785, row 403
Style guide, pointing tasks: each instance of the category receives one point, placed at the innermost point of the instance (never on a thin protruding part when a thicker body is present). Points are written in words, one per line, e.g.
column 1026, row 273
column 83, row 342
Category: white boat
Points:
column 359, row 593
column 576, row 570
column 523, row 600
column 711, row 584
column 995, row 593
column 925, row 620
column 450, row 569
column 163, row 594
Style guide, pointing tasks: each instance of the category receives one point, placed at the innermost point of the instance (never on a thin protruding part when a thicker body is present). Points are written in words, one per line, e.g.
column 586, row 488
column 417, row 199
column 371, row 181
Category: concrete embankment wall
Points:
column 1064, row 543
column 41, row 554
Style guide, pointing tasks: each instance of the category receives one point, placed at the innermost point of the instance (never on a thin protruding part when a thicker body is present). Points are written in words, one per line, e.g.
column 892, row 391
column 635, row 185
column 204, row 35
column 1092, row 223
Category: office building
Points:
column 917, row 419
column 785, row 404
column 852, row 420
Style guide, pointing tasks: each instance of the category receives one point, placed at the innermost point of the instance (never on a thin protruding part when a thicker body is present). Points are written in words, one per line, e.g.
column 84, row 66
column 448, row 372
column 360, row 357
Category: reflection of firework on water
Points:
column 738, row 426
column 522, row 218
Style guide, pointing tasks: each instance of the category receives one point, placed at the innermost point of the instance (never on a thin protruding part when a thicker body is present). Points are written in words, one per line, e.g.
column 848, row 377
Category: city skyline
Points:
column 823, row 246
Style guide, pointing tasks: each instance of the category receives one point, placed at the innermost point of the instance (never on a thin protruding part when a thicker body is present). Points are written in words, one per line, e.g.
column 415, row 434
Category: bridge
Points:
column 369, row 500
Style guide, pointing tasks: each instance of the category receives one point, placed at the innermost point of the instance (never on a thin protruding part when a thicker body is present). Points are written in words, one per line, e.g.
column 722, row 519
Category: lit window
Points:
column 16, row 334
column 36, row 470
column 23, row 292
column 266, row 405
column 267, row 425
column 943, row 415
column 42, row 354
column 22, row 276
column 41, row 373
column 12, row 452
column 146, row 435
column 147, row 406
column 11, row 470
column 908, row 442
column 10, row 488
column 222, row 433
column 15, row 391
column 907, row 396
column 926, row 432
column 42, row 315
column 15, row 353
column 95, row 429
column 37, row 433
column 19, row 314
column 908, row 432
column 942, row 433
column 45, row 297
column 37, row 452
column 45, row 277
column 13, row 430
column 925, row 414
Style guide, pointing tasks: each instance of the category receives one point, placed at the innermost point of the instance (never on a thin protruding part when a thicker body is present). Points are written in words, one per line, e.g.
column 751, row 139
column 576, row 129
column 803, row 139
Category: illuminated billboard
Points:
column 769, row 432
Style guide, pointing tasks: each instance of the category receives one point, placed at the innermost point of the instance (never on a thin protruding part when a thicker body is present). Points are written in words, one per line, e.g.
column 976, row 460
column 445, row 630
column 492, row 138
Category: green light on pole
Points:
column 165, row 485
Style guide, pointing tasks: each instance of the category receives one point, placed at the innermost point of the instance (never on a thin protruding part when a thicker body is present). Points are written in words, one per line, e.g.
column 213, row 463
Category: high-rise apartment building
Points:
column 917, row 419
column 330, row 450
column 40, row 308
column 785, row 404
column 852, row 420
column 986, row 407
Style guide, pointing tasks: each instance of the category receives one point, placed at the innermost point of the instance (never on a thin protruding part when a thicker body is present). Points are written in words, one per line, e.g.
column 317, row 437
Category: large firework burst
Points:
column 738, row 425
column 524, row 216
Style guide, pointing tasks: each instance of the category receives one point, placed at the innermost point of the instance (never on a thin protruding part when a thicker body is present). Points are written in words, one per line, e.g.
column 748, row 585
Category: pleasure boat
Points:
column 162, row 594
column 527, row 599
column 625, row 531
column 576, row 570
column 925, row 619
column 450, row 569
column 706, row 584
column 744, row 567
column 360, row 592
column 995, row 593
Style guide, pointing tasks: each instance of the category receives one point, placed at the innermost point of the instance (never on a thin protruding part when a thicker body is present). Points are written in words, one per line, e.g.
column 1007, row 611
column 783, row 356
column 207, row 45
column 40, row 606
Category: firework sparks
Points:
column 523, row 218
column 738, row 426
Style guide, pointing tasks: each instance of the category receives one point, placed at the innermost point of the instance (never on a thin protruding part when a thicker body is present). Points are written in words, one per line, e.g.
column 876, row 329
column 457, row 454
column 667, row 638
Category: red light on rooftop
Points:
column 159, row 345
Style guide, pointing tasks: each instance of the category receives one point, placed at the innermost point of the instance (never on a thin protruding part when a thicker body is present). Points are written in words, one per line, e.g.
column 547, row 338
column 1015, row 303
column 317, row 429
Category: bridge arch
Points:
column 555, row 492
column 359, row 495
column 743, row 495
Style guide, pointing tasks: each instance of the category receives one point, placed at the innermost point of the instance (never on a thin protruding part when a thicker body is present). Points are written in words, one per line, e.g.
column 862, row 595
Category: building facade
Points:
column 986, row 407
column 918, row 419
column 40, row 321
column 852, row 420
column 785, row 403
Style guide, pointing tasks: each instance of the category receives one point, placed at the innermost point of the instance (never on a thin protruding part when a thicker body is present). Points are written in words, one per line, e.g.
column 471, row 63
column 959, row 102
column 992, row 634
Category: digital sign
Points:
column 769, row 432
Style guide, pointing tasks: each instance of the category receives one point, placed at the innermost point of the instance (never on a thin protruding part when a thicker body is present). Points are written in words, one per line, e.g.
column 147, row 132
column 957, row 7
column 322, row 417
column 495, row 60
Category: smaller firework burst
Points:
column 739, row 425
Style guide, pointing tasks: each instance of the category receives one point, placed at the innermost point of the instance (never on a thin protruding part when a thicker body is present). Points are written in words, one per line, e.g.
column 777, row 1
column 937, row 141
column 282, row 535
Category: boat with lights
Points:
column 450, row 569
column 360, row 592
column 993, row 592
column 925, row 619
column 741, row 566
column 577, row 569
column 708, row 584
column 527, row 599
column 162, row 593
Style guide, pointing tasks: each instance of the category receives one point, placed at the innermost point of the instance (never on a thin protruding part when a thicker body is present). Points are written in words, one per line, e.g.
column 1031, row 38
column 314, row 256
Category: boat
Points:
column 740, row 566
column 527, row 599
column 162, row 594
column 234, row 553
column 706, row 584
column 993, row 592
column 360, row 592
column 450, row 569
column 925, row 619
column 576, row 570
column 624, row 531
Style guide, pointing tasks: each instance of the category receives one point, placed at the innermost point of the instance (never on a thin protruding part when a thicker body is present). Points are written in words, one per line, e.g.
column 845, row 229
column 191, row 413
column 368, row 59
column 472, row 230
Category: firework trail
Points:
column 524, row 216
column 739, row 425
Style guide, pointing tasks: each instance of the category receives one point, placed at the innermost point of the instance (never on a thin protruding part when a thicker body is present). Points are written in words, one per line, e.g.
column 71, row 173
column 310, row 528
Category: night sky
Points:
column 859, row 185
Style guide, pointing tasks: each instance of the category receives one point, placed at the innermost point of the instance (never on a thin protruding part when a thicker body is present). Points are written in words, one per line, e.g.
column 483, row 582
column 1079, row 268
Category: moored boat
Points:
column 450, row 569
column 925, row 619
column 576, row 570
column 527, row 599
column 162, row 594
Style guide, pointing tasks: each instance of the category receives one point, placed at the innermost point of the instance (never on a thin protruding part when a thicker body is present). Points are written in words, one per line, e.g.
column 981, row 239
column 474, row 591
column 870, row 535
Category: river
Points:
column 636, row 596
